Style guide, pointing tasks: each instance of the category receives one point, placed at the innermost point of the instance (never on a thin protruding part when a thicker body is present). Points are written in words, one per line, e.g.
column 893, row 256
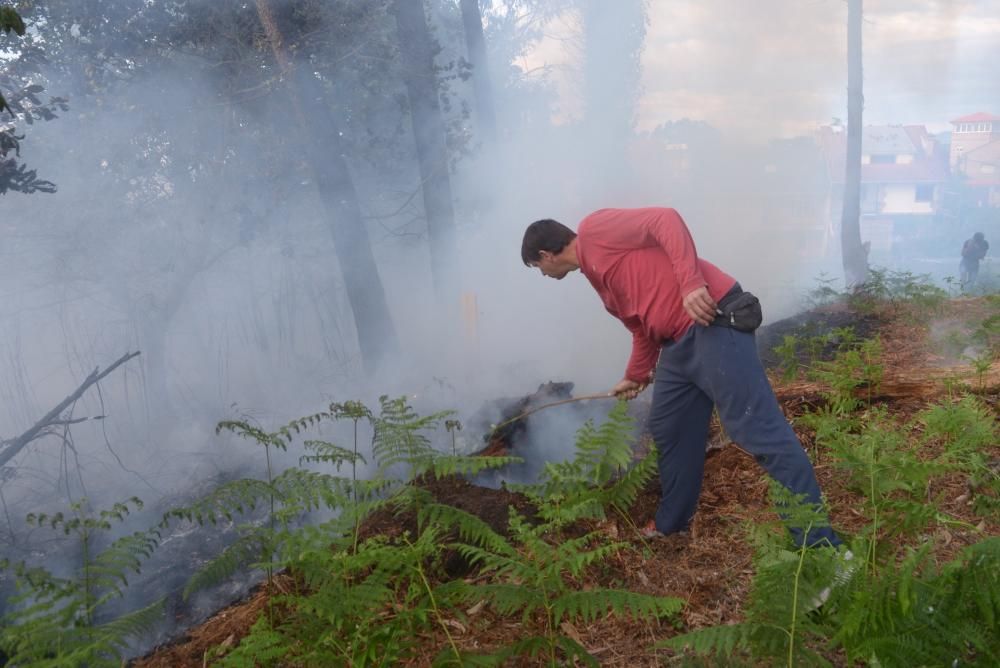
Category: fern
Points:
column 785, row 589
column 921, row 615
column 344, row 618
column 399, row 437
column 528, row 575
column 594, row 604
column 263, row 646
column 967, row 427
column 51, row 621
column 470, row 528
column 329, row 453
column 251, row 547
column 227, row 501
column 442, row 466
column 597, row 478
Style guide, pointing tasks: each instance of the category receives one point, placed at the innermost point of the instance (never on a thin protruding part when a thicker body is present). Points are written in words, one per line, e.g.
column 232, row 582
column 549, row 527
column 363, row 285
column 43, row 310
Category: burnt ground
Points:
column 710, row 566
column 814, row 323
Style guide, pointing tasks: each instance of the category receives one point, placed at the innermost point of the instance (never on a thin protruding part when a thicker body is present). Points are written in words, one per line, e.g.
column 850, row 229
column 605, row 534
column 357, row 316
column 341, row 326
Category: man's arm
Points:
column 671, row 233
column 666, row 229
column 644, row 355
column 641, row 366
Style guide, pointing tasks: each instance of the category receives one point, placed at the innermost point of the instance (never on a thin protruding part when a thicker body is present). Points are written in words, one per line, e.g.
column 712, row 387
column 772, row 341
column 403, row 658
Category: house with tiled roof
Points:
column 904, row 173
column 974, row 157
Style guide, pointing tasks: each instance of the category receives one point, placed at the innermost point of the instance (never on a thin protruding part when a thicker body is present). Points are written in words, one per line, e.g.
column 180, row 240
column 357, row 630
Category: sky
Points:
column 774, row 68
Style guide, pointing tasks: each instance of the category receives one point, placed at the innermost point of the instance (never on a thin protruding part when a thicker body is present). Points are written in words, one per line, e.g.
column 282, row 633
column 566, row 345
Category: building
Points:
column 974, row 158
column 904, row 175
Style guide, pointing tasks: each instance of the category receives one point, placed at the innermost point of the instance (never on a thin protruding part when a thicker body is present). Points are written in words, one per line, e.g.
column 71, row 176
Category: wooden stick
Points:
column 603, row 395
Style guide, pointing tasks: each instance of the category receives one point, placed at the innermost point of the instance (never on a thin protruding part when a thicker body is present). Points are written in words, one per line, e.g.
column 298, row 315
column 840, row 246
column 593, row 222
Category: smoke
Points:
column 187, row 226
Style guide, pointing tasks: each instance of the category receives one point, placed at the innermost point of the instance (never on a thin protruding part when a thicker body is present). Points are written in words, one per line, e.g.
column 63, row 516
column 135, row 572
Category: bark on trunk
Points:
column 852, row 251
column 475, row 44
column 417, row 57
column 320, row 141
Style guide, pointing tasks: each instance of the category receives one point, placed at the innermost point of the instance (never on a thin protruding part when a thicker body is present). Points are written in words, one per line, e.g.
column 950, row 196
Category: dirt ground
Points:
column 709, row 567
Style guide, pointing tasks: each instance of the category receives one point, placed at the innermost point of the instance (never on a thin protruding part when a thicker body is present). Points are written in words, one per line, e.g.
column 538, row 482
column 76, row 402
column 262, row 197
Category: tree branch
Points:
column 52, row 417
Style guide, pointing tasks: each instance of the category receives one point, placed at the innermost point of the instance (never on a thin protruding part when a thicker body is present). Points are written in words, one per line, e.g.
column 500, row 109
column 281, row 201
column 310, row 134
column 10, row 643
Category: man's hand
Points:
column 700, row 306
column 628, row 389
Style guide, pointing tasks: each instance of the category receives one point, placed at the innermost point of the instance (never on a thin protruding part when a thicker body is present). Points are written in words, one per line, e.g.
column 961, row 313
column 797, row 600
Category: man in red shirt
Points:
column 644, row 266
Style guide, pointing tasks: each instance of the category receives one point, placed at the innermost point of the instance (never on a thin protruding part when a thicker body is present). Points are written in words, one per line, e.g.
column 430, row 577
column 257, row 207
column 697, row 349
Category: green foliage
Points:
column 329, row 453
column 400, row 438
column 366, row 602
column 883, row 288
column 897, row 289
column 824, row 293
column 920, row 615
column 530, row 576
column 987, row 332
column 787, row 354
column 785, row 589
column 968, row 429
column 856, row 366
column 11, row 20
column 597, row 478
column 52, row 619
column 363, row 607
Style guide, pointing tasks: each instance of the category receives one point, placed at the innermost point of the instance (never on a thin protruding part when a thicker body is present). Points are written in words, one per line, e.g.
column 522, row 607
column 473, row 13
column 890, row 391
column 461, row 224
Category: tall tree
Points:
column 853, row 252
column 416, row 50
column 475, row 44
column 320, row 139
column 19, row 98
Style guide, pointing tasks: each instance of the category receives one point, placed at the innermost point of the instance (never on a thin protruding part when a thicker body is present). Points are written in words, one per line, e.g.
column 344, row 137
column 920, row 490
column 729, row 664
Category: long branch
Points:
column 52, row 417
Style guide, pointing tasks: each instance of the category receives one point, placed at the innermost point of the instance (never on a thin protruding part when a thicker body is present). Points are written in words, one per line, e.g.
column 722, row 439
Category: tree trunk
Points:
column 475, row 44
column 852, row 251
column 417, row 58
column 321, row 144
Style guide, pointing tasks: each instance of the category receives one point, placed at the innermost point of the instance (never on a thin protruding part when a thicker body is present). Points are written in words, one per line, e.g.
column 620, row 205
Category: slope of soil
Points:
column 710, row 567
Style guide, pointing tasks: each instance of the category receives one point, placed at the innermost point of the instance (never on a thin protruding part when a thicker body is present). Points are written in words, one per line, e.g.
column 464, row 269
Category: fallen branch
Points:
column 52, row 418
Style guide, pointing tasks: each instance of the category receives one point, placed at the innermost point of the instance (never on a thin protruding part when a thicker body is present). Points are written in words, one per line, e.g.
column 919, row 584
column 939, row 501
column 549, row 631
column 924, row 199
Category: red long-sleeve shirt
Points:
column 642, row 262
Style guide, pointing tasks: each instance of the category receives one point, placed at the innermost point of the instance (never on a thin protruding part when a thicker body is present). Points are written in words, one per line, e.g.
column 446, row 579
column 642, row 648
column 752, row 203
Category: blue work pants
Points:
column 719, row 366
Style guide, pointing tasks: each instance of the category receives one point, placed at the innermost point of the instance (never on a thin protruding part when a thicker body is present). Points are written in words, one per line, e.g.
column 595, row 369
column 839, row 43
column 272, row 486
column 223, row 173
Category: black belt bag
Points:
column 739, row 310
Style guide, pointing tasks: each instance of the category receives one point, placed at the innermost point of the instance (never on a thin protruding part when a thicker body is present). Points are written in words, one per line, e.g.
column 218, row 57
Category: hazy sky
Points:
column 778, row 67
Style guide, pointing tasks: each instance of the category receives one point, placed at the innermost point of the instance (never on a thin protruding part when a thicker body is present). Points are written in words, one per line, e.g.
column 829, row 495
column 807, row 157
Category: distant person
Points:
column 973, row 250
column 699, row 323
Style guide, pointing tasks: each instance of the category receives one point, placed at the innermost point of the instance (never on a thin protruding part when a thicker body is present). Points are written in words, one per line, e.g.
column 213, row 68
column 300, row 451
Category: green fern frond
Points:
column 470, row 528
column 328, row 453
column 623, row 492
column 305, row 490
column 236, row 497
column 723, row 640
column 575, row 559
column 399, row 438
column 507, row 599
column 262, row 646
column 594, row 604
column 442, row 466
column 921, row 615
column 132, row 625
column 247, row 549
column 252, row 433
column 289, row 431
column 606, row 450
column 108, row 569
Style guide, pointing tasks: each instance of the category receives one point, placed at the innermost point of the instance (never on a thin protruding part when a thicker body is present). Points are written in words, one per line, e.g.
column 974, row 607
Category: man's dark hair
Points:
column 544, row 235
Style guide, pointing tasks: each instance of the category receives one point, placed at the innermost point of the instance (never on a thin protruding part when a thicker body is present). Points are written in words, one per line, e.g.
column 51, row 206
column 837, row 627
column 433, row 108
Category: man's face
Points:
column 550, row 265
